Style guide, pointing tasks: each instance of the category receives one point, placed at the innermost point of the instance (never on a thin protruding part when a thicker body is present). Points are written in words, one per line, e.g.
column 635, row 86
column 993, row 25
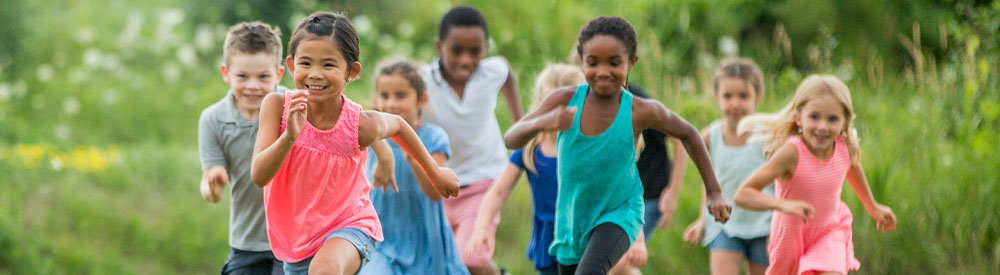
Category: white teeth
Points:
column 311, row 87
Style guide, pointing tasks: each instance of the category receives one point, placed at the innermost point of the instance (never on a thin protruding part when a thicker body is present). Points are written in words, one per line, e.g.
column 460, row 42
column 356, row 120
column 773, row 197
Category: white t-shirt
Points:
column 478, row 152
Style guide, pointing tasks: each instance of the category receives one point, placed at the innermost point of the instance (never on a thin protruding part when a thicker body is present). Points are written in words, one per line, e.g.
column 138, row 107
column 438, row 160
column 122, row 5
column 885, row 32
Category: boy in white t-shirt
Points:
column 462, row 86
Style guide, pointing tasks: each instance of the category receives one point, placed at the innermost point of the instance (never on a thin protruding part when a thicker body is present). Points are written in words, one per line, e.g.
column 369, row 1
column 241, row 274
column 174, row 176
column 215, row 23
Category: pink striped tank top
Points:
column 320, row 188
column 824, row 242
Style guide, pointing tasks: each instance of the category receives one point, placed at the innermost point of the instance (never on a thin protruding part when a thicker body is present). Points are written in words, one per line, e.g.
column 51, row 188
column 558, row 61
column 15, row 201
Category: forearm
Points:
column 753, row 199
column 490, row 207
column 408, row 140
column 423, row 181
column 859, row 183
column 520, row 133
column 513, row 103
column 696, row 149
column 267, row 163
column 383, row 153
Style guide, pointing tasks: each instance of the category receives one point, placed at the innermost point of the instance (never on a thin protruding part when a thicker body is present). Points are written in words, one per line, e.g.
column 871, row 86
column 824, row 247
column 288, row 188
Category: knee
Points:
column 326, row 268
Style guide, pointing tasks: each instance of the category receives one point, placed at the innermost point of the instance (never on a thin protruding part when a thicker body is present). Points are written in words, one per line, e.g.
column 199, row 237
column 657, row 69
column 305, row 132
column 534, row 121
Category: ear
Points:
column 437, row 47
column 631, row 62
column 798, row 121
column 354, row 72
column 280, row 73
column 289, row 63
column 422, row 100
column 225, row 73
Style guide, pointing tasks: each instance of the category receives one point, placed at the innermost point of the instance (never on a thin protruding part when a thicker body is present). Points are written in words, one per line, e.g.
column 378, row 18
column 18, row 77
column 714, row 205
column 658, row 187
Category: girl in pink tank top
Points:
column 311, row 154
column 811, row 148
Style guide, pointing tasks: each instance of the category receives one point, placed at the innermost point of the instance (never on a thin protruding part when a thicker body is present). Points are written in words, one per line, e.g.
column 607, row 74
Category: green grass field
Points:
column 99, row 167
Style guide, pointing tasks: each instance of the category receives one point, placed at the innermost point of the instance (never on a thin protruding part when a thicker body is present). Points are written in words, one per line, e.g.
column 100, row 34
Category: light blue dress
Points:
column 418, row 239
column 733, row 165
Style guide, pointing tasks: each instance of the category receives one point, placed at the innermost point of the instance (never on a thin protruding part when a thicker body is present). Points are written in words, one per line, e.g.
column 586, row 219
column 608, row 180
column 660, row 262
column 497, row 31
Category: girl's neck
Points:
column 730, row 134
column 821, row 154
column 325, row 109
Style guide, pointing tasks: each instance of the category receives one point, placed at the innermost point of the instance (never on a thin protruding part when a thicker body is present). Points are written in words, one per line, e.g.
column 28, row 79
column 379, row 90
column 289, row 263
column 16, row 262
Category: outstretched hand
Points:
column 718, row 207
column 384, row 176
column 216, row 179
column 446, row 182
column 296, row 113
column 694, row 232
column 885, row 219
column 799, row 208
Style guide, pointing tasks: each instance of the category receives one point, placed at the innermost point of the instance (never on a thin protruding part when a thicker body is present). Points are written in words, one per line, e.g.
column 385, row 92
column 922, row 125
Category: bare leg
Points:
column 725, row 262
column 337, row 256
column 756, row 269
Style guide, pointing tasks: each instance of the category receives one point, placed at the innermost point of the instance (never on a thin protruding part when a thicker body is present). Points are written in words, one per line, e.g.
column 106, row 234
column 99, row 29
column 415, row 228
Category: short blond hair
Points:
column 252, row 38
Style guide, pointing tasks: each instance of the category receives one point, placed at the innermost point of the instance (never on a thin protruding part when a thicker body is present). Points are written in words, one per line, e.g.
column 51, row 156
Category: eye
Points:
column 304, row 63
column 814, row 116
column 383, row 95
column 242, row 76
column 744, row 96
column 727, row 96
column 475, row 51
column 264, row 77
column 834, row 119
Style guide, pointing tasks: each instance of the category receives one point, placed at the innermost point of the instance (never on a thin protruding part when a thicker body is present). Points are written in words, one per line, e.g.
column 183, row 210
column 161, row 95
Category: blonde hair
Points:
column 776, row 128
column 550, row 79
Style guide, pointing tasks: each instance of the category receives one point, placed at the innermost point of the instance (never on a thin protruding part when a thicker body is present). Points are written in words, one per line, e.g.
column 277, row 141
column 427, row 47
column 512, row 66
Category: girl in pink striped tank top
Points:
column 812, row 148
column 311, row 154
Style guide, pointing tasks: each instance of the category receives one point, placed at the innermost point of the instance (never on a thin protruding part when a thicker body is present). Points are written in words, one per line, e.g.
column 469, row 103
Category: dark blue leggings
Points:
column 608, row 243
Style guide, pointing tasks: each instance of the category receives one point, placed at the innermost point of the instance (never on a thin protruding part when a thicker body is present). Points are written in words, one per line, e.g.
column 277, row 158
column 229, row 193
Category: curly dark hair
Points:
column 614, row 26
column 462, row 16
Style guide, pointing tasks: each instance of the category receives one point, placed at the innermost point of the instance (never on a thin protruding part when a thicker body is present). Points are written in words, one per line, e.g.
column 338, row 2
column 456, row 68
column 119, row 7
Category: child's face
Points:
column 251, row 77
column 822, row 120
column 736, row 98
column 319, row 68
column 393, row 94
column 606, row 64
column 461, row 50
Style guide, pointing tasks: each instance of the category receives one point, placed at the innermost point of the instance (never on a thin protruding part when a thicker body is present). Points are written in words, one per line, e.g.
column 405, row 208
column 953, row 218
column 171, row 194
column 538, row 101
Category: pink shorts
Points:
column 462, row 212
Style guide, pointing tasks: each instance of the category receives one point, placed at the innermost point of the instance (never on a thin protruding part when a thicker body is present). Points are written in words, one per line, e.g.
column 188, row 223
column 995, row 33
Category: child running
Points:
column 739, row 86
column 310, row 155
column 599, row 210
column 811, row 147
column 418, row 239
column 252, row 67
column 539, row 159
column 462, row 86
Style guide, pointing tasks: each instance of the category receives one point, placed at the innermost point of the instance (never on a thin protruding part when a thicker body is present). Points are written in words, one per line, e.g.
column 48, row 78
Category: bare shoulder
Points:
column 369, row 118
column 786, row 157
column 273, row 101
column 561, row 96
column 648, row 110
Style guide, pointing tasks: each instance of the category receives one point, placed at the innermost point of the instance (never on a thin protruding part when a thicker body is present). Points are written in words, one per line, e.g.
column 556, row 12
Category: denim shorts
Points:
column 755, row 249
column 359, row 239
column 652, row 216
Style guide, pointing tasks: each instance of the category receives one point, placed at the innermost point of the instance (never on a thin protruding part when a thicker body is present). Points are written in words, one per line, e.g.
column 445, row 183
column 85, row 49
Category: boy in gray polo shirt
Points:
column 227, row 131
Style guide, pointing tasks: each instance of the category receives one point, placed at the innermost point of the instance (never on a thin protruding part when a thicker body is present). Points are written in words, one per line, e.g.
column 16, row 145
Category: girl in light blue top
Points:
column 599, row 209
column 418, row 239
column 739, row 87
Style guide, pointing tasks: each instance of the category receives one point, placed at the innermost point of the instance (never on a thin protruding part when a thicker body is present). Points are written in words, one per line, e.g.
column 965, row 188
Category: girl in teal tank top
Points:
column 596, row 188
column 599, row 207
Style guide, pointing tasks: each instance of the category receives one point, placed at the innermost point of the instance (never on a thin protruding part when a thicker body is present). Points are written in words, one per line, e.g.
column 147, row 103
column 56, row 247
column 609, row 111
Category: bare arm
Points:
column 668, row 199
column 374, row 125
column 883, row 215
column 654, row 115
column 781, row 165
column 425, row 183
column 384, row 175
column 490, row 208
column 271, row 150
column 511, row 95
column 551, row 115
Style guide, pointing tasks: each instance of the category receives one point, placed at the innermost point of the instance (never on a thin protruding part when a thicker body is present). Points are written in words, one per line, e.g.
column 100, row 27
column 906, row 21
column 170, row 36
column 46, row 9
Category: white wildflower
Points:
column 187, row 56
column 86, row 35
column 728, row 46
column 71, row 106
column 362, row 24
column 44, row 72
column 62, row 131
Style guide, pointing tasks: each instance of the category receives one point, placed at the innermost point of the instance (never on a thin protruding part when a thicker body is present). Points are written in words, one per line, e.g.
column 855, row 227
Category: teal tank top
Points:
column 598, row 181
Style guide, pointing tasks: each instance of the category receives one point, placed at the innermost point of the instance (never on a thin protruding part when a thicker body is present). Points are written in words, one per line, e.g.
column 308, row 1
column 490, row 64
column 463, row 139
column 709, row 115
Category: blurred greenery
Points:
column 99, row 102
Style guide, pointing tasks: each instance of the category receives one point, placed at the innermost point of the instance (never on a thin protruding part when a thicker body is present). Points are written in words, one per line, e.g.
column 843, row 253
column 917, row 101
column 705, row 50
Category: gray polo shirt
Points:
column 226, row 138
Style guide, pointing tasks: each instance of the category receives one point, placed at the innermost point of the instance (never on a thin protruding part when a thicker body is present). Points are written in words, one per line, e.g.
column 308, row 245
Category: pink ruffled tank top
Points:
column 320, row 188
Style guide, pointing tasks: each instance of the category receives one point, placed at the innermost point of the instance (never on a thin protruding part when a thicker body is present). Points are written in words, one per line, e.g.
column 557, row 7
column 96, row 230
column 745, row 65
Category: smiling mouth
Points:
column 253, row 97
column 316, row 88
